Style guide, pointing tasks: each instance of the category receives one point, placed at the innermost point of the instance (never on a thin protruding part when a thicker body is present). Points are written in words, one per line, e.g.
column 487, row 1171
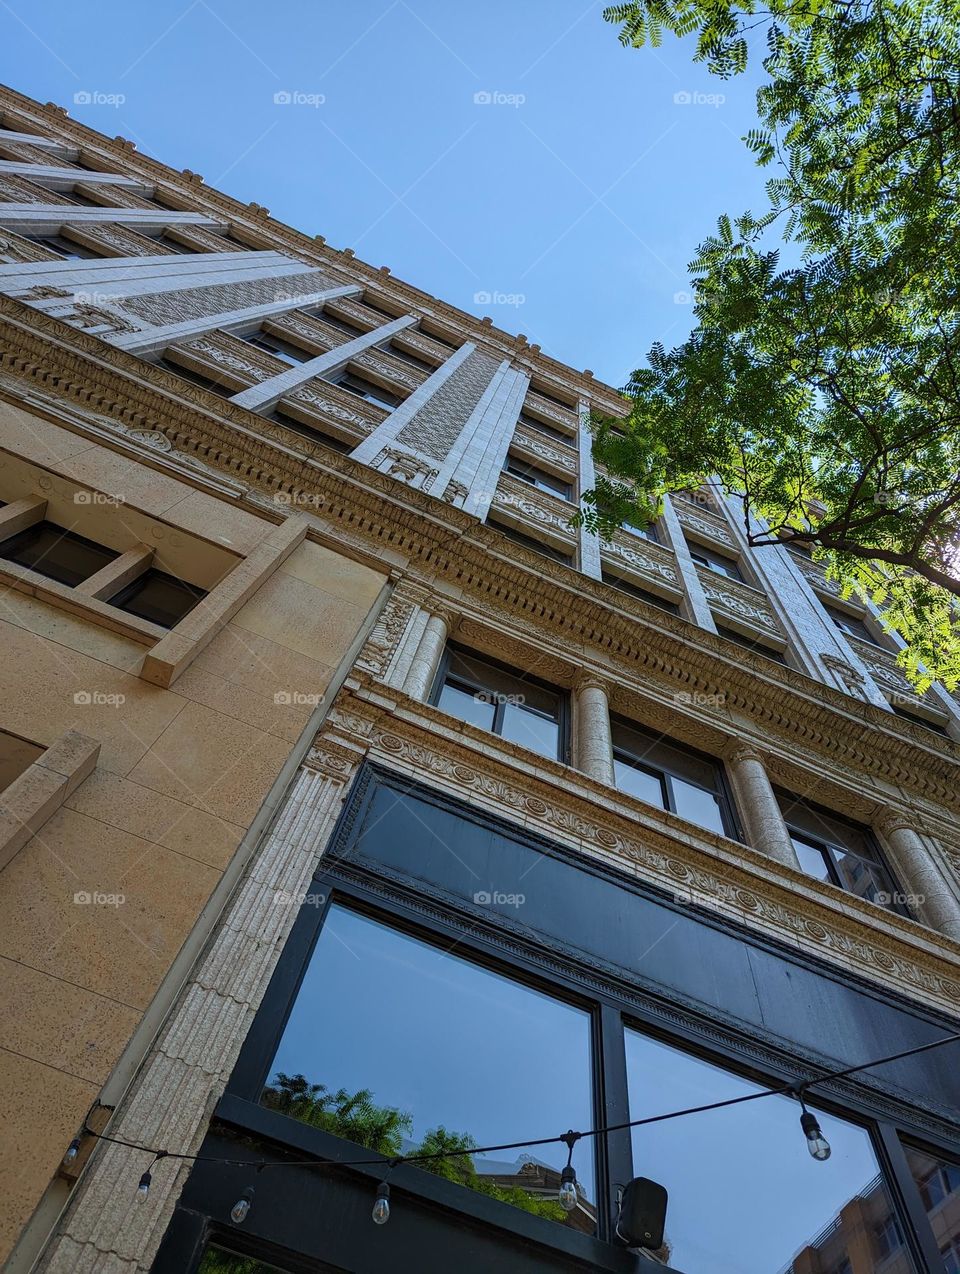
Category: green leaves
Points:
column 836, row 381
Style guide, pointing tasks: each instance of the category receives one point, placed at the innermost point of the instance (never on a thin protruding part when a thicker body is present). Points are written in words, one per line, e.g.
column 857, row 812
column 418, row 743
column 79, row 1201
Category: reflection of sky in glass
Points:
column 534, row 732
column 700, row 807
column 444, row 1039
column 744, row 1194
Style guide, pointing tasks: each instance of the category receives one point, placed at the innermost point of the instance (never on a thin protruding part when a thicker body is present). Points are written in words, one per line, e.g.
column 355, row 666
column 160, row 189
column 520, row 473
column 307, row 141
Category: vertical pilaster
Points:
column 594, row 750
column 589, row 540
column 758, row 806
column 426, row 661
column 695, row 603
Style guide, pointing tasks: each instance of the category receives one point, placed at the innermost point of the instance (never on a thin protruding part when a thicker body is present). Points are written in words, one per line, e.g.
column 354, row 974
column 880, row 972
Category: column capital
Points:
column 737, row 751
column 889, row 820
column 442, row 608
column 585, row 679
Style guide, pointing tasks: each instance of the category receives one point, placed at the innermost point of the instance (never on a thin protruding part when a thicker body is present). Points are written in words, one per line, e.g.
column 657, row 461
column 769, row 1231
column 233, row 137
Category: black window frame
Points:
column 637, row 590
column 547, row 430
column 65, row 535
column 718, row 563
column 752, row 643
column 513, row 533
column 279, row 346
column 65, row 247
column 540, row 479
column 444, row 674
column 615, row 1007
column 130, row 592
column 728, row 810
column 358, row 386
column 850, row 625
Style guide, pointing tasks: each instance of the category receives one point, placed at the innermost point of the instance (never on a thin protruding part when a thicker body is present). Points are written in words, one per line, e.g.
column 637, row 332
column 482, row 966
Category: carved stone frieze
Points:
column 852, row 678
column 383, row 640
column 550, row 411
column 559, row 457
column 713, row 529
column 644, row 557
column 536, row 506
column 14, row 249
column 227, row 351
column 330, row 402
column 391, row 369
column 161, row 308
column 737, row 599
column 124, row 241
column 411, row 469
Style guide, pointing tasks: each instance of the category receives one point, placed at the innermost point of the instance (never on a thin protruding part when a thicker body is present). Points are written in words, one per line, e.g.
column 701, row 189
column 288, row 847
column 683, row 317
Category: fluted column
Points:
column 426, row 661
column 920, row 873
column 594, row 742
column 758, row 807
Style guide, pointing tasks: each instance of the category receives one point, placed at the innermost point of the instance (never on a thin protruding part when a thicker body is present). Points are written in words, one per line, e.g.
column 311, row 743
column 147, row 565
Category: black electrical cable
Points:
column 797, row 1088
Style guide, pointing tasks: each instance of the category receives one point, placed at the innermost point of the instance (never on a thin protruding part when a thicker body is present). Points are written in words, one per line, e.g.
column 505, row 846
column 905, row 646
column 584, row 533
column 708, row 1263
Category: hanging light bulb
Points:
column 238, row 1213
column 72, row 1150
column 817, row 1143
column 143, row 1189
column 381, row 1208
column 568, row 1188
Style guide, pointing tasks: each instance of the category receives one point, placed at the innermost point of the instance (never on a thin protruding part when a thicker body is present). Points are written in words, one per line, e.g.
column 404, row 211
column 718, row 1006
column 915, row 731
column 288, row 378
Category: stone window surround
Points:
column 37, row 794
column 756, row 808
column 171, row 650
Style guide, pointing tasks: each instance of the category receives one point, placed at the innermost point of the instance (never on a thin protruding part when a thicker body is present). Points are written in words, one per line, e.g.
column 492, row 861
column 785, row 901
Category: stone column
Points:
column 758, row 807
column 426, row 661
column 594, row 744
column 920, row 873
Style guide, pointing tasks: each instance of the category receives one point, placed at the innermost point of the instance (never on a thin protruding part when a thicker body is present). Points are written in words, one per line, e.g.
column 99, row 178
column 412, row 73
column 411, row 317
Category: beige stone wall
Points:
column 181, row 775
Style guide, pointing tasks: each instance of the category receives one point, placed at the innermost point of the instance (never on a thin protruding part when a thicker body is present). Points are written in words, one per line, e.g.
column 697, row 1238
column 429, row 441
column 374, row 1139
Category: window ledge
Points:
column 42, row 788
column 61, row 595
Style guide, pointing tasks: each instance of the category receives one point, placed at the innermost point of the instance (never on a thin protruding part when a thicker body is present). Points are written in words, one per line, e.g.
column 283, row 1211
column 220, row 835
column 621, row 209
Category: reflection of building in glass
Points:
column 541, row 1182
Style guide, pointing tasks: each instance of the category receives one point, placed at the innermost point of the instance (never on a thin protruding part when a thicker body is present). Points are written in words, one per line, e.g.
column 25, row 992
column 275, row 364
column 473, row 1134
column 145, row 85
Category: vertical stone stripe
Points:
column 589, row 540
column 493, row 445
column 695, row 599
column 435, row 427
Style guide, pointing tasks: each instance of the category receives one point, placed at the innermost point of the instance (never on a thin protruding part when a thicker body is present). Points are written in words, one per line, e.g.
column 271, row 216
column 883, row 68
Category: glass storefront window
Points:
column 744, row 1195
column 399, row 1045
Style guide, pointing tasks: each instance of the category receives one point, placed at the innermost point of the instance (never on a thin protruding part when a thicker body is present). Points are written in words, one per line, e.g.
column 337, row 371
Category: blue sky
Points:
column 572, row 192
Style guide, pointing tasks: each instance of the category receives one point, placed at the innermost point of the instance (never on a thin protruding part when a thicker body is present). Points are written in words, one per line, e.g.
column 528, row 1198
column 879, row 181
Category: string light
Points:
column 817, row 1144
column 238, row 1213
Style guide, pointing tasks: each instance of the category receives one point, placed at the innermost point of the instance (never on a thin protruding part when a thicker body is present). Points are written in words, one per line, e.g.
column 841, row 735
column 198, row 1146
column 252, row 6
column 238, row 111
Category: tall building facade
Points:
column 356, row 807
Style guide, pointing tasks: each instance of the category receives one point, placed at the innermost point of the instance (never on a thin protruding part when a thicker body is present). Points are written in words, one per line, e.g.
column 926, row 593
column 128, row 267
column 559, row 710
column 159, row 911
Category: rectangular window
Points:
column 280, row 348
column 210, row 383
column 158, row 597
column 745, row 1197
column 548, row 431
column 719, row 563
column 664, row 773
column 16, row 755
column 538, row 478
column 175, row 245
column 838, row 851
column 64, row 247
column 531, row 542
column 635, row 590
column 852, row 625
column 917, row 719
column 551, row 397
column 648, row 532
column 406, row 357
column 311, row 431
column 502, row 700
column 751, row 643
column 334, row 320
column 59, row 554
column 399, row 1045
column 365, row 389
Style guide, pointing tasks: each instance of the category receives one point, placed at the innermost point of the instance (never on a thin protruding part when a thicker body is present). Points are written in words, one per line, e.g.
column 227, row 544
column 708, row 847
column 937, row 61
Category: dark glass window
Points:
column 648, row 532
column 538, row 478
column 917, row 719
column 311, row 431
column 531, row 542
column 938, row 1181
column 57, row 553
column 334, row 320
column 161, row 598
column 844, row 853
column 432, row 335
column 719, row 563
column 751, row 643
column 666, row 774
column 852, row 625
column 64, row 247
column 551, row 397
column 745, row 1196
column 502, row 700
column 406, row 357
column 174, row 245
column 635, row 590
column 365, row 389
column 16, row 755
column 400, row 1045
column 197, row 378
column 548, row 431
column 275, row 345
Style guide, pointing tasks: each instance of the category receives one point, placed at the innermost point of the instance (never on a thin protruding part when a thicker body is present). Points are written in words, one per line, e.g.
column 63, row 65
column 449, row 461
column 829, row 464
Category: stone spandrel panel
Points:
column 434, row 429
column 162, row 308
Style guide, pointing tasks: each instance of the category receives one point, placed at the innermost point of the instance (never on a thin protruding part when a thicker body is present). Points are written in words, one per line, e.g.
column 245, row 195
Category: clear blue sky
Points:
column 577, row 209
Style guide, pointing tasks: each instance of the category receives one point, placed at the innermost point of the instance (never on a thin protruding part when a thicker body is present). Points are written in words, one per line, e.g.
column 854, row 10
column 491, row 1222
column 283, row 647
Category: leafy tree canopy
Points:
column 825, row 392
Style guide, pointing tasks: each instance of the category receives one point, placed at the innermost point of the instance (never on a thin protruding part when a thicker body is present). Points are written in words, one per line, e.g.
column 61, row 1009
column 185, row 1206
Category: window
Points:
column 938, row 1181
column 917, row 719
column 365, row 389
column 168, row 241
column 852, row 625
column 548, row 431
column 217, row 1260
column 162, row 599
column 538, row 478
column 719, row 563
column 440, row 1052
column 745, row 1197
column 333, row 320
column 751, row 643
column 506, row 702
column 406, row 357
column 552, row 398
column 653, row 599
column 835, row 850
column 311, row 431
column 648, row 532
column 64, row 247
column 59, row 554
column 279, row 347
column 16, row 755
column 951, row 1257
column 530, row 542
column 887, row 1237
column 197, row 378
column 663, row 773
column 432, row 335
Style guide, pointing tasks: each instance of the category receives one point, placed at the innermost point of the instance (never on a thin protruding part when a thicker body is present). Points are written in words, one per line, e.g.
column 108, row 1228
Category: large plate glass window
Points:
column 745, row 1196
column 398, row 1045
